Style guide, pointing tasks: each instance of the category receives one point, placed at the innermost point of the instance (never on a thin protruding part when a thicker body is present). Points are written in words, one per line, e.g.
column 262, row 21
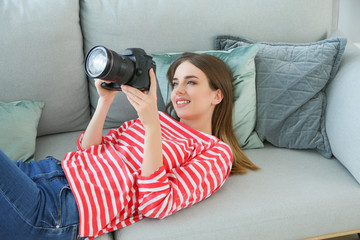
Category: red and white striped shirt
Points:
column 111, row 194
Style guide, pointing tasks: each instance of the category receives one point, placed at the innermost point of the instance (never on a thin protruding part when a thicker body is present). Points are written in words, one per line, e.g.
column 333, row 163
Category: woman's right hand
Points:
column 104, row 93
column 93, row 132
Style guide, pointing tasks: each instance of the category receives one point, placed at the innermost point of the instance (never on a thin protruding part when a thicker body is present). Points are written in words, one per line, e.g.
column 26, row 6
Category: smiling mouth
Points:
column 182, row 102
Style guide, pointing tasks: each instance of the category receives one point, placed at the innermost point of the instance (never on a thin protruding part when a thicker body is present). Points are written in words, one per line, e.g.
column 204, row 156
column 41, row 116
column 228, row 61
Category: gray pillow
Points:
column 290, row 83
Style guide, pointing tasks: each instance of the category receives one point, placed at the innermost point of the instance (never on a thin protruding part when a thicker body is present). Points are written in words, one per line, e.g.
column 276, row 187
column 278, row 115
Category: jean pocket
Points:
column 68, row 213
column 53, row 189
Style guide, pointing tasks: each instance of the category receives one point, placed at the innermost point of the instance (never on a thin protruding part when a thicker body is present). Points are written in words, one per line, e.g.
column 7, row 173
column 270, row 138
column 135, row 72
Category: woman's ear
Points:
column 218, row 97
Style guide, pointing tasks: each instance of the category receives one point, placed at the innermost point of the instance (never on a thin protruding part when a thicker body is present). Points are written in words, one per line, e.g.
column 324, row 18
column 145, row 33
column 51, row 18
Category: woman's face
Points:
column 192, row 97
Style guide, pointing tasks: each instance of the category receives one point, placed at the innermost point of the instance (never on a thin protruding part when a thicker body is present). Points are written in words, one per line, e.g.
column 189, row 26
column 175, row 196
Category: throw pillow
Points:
column 290, row 82
column 18, row 128
column 242, row 64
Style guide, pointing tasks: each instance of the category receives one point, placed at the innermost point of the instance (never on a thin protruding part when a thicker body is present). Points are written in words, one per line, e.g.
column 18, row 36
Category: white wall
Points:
column 349, row 19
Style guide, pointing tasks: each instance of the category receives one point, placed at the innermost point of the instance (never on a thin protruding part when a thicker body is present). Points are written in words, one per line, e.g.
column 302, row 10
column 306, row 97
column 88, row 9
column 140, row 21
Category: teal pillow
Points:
column 18, row 128
column 291, row 80
column 242, row 64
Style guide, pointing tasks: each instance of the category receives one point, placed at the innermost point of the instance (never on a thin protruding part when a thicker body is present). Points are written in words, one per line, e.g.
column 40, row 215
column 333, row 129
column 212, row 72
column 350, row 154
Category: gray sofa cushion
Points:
column 58, row 145
column 102, row 28
column 168, row 26
column 183, row 25
column 296, row 194
column 290, row 83
column 42, row 42
column 343, row 111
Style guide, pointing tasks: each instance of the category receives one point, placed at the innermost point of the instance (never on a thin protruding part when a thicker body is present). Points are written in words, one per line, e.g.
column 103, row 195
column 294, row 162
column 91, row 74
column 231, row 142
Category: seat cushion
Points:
column 57, row 145
column 296, row 194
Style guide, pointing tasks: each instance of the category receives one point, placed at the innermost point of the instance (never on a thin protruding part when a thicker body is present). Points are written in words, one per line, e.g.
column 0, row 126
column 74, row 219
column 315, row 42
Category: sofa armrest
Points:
column 343, row 112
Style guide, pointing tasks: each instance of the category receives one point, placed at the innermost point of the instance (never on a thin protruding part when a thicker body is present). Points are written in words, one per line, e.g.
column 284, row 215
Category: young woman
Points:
column 152, row 166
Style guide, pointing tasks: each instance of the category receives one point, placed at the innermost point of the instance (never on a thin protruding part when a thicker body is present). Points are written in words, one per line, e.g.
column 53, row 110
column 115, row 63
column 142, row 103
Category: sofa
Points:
column 302, row 191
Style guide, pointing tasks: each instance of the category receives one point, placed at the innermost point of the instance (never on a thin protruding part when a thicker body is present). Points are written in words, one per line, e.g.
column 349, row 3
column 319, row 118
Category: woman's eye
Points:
column 174, row 84
column 191, row 82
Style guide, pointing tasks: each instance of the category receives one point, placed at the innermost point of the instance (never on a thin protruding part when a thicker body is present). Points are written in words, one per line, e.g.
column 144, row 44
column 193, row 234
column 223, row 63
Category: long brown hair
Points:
column 219, row 77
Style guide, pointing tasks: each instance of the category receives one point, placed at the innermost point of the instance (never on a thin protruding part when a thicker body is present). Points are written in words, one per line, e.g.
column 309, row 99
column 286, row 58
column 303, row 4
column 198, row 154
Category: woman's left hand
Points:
column 145, row 103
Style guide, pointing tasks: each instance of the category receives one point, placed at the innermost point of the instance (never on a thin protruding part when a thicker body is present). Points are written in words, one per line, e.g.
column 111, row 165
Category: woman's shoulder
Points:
column 178, row 129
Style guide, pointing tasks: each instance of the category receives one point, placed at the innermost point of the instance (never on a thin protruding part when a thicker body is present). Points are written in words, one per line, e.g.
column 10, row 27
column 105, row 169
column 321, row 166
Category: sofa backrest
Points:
column 42, row 59
column 342, row 110
column 42, row 51
column 184, row 25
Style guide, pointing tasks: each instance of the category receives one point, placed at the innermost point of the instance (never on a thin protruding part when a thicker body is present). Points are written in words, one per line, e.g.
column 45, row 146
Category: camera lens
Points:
column 107, row 65
column 96, row 62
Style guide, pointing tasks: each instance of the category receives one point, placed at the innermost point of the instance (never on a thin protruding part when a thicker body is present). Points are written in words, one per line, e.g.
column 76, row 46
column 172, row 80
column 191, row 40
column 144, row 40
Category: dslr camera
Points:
column 131, row 67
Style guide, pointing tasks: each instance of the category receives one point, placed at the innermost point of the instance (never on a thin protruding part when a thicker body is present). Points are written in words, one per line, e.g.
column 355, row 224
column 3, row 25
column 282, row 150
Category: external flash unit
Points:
column 130, row 68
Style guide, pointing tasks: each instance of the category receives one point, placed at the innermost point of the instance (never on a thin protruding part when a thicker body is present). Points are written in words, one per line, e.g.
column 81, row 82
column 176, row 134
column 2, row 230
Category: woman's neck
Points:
column 200, row 125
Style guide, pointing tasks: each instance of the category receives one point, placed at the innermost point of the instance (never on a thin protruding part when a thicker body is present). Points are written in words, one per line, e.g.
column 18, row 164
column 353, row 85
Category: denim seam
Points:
column 58, row 219
column 15, row 208
column 41, row 177
column 24, row 219
column 59, row 215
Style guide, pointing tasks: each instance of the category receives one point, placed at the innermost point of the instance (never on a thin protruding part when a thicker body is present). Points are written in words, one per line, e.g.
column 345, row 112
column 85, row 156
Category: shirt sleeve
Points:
column 163, row 193
column 79, row 141
column 112, row 136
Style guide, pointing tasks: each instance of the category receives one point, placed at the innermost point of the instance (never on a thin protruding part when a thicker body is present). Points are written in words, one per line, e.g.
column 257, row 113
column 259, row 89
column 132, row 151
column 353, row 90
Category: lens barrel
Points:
column 107, row 65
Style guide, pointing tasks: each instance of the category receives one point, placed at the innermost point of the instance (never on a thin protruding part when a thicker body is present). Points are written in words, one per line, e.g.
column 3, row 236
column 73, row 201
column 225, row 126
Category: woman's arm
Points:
column 93, row 132
column 164, row 193
column 145, row 105
column 152, row 150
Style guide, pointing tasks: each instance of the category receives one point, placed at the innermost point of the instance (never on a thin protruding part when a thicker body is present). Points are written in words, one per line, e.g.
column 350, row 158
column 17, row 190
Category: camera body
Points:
column 131, row 67
column 143, row 64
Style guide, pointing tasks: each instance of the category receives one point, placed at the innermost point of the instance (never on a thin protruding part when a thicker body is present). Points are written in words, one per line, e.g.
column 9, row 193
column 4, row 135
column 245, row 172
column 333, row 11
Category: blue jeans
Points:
column 36, row 201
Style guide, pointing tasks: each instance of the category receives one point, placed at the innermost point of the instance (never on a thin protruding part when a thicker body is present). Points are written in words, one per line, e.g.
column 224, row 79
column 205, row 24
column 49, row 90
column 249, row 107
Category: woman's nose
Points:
column 180, row 89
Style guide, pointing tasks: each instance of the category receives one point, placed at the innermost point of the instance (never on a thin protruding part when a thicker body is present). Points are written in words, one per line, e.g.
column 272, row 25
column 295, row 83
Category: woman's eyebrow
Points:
column 187, row 77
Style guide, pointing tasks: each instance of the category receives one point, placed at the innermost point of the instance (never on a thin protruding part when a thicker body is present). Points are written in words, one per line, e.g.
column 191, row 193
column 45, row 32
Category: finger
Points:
column 134, row 92
column 97, row 82
column 152, row 82
column 134, row 103
column 133, row 95
column 101, row 80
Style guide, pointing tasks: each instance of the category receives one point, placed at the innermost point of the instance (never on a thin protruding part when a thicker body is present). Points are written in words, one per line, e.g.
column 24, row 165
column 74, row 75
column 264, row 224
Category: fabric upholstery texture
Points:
column 293, row 190
column 295, row 195
column 18, row 128
column 150, row 25
column 241, row 63
column 290, row 83
column 169, row 26
column 342, row 112
column 42, row 41
column 102, row 28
